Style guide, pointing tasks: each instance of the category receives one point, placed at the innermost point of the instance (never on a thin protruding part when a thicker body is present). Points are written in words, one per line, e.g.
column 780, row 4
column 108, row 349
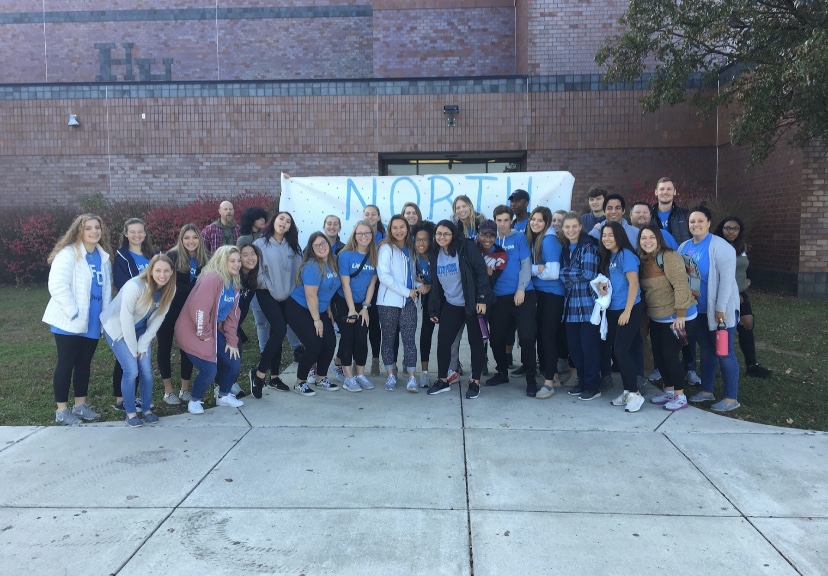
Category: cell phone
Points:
column 681, row 336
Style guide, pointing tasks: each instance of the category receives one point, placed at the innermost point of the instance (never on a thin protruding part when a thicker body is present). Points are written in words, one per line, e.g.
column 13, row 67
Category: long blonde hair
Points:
column 218, row 265
column 183, row 256
column 167, row 291
column 73, row 237
column 352, row 246
column 469, row 224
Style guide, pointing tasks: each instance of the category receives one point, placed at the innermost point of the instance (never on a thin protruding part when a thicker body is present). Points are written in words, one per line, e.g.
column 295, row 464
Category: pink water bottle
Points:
column 721, row 339
column 484, row 328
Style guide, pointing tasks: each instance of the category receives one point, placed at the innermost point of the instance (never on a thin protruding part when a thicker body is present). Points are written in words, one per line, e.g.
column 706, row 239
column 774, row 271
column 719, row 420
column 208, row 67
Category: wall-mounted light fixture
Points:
column 451, row 110
column 73, row 121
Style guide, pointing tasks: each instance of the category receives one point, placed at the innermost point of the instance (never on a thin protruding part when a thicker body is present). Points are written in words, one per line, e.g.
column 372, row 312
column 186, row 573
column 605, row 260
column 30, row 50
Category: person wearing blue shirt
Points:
column 80, row 288
column 130, row 260
column 515, row 304
column 546, row 265
column 357, row 263
column 306, row 312
column 625, row 313
column 519, row 204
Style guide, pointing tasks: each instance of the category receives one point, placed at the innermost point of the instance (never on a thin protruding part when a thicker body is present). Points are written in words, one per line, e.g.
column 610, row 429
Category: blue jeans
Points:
column 207, row 370
column 140, row 368
column 709, row 360
column 584, row 340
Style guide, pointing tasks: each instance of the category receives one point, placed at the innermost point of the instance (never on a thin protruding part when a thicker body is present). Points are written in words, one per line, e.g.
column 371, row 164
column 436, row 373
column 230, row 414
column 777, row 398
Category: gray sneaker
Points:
column 606, row 382
column 171, row 399
column 185, row 396
column 351, row 385
column 412, row 384
column 391, row 383
column 84, row 412
column 425, row 380
column 66, row 418
column 364, row 383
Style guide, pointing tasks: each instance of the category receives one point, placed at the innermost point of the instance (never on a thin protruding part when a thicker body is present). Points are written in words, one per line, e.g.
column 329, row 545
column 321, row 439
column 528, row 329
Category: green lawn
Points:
column 790, row 334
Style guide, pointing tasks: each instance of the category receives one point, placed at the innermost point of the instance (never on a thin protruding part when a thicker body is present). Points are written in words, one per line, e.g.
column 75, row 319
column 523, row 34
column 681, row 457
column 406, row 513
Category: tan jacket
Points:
column 666, row 292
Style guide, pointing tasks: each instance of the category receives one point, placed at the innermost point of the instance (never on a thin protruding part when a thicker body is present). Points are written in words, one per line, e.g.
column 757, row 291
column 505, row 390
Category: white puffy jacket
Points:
column 70, row 283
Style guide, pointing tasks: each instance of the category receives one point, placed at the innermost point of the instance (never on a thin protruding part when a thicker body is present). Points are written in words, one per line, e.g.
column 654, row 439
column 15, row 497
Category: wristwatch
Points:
column 366, row 304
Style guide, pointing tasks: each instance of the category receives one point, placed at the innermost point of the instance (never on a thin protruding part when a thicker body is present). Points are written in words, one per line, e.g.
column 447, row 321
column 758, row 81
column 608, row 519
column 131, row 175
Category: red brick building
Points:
column 193, row 98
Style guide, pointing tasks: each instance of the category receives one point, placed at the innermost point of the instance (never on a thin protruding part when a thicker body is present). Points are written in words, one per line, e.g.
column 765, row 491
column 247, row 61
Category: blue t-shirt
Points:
column 93, row 329
column 226, row 300
column 520, row 226
column 424, row 270
column 328, row 284
column 349, row 261
column 379, row 237
column 141, row 325
column 141, row 261
column 517, row 248
column 700, row 253
column 622, row 262
column 193, row 268
column 551, row 250
column 664, row 217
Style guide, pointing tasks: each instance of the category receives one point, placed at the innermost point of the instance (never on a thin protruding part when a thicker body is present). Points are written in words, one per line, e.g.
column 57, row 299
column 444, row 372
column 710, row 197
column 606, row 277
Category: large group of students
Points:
column 579, row 294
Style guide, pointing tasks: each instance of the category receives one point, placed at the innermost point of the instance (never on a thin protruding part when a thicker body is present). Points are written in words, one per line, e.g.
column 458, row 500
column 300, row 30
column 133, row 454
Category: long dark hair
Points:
column 407, row 242
column 308, row 255
column 662, row 245
column 147, row 249
column 536, row 240
column 739, row 243
column 456, row 237
column 380, row 225
column 248, row 217
column 250, row 279
column 292, row 235
column 621, row 241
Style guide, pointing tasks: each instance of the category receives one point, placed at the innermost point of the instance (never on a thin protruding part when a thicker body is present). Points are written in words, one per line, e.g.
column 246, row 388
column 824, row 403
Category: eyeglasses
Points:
column 443, row 234
column 363, row 233
column 422, row 240
column 319, row 245
column 731, row 228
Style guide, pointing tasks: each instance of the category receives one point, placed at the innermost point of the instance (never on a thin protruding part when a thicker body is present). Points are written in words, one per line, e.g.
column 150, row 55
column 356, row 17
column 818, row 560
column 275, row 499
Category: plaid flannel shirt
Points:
column 577, row 270
column 213, row 236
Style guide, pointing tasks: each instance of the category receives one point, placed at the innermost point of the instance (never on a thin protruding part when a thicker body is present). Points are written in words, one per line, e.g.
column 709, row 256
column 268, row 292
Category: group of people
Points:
column 579, row 293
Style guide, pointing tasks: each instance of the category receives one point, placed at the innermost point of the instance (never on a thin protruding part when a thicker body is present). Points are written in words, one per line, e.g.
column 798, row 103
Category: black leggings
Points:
column 74, row 362
column 426, row 331
column 451, row 323
column 621, row 339
column 503, row 319
column 319, row 351
column 666, row 353
column 353, row 336
column 550, row 311
column 165, row 342
column 275, row 312
column 374, row 330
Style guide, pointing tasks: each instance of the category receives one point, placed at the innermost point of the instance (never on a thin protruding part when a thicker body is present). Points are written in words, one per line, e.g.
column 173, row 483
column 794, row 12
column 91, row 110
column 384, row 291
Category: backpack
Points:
column 692, row 269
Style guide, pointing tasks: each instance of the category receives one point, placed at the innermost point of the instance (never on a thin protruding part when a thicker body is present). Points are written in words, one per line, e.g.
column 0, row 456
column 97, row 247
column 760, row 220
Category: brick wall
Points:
column 813, row 238
column 563, row 36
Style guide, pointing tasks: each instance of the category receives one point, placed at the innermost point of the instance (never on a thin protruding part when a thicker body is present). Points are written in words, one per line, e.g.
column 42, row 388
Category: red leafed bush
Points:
column 27, row 236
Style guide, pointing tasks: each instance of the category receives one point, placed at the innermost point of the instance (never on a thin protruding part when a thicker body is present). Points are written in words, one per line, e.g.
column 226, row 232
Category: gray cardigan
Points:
column 722, row 291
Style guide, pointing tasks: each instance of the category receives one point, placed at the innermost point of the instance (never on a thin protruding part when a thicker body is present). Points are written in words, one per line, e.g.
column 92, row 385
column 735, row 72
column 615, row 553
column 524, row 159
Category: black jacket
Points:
column 473, row 277
column 677, row 222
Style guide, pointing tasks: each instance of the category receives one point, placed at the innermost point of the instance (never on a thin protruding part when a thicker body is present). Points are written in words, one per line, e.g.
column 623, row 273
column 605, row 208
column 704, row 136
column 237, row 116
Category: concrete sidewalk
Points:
column 380, row 483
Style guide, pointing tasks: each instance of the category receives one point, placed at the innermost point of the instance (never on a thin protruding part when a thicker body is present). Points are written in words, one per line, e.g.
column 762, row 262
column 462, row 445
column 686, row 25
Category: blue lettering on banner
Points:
column 480, row 180
column 351, row 187
column 434, row 198
column 394, row 189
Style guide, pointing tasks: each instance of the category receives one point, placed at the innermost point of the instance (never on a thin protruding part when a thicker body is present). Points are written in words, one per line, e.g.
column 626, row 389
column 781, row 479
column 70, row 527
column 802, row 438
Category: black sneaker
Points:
column 473, row 391
column 276, row 382
column 520, row 371
column 588, row 395
column 576, row 391
column 297, row 354
column 758, row 371
column 439, row 387
column 510, row 361
column 497, row 380
column 119, row 406
column 531, row 389
column 256, row 383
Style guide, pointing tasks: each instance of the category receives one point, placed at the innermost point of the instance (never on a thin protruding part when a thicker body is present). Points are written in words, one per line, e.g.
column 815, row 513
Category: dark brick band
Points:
column 180, row 14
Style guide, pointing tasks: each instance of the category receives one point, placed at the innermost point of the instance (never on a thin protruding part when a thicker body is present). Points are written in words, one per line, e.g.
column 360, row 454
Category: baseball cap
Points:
column 519, row 195
column 487, row 227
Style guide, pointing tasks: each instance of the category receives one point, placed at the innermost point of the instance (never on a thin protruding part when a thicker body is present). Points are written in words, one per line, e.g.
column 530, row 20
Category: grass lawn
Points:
column 790, row 339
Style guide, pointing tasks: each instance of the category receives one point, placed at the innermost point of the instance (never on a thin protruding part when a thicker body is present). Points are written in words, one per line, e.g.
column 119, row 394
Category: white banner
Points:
column 310, row 199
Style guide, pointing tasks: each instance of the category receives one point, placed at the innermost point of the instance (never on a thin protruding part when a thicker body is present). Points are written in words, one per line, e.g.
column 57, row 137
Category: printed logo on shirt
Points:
column 355, row 266
column 228, row 299
column 97, row 275
column 141, row 267
column 448, row 269
column 495, row 261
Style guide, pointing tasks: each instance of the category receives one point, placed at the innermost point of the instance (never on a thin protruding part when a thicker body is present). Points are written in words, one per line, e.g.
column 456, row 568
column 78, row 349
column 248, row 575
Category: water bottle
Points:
column 484, row 327
column 721, row 339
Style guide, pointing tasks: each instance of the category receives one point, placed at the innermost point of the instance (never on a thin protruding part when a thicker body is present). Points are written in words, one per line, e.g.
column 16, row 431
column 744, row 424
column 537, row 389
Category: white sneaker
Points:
column 339, row 373
column 229, row 400
column 425, row 380
column 391, row 383
column 364, row 383
column 654, row 376
column 351, row 385
column 412, row 384
column 622, row 400
column 195, row 407
column 634, row 402
column 693, row 378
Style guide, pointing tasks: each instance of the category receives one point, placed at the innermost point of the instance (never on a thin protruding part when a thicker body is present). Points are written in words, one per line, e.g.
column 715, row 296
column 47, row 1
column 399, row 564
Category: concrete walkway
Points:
column 381, row 483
